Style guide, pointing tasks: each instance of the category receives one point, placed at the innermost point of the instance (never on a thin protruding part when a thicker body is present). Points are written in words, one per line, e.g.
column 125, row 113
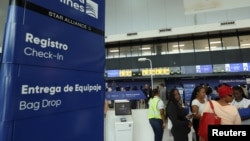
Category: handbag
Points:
column 208, row 119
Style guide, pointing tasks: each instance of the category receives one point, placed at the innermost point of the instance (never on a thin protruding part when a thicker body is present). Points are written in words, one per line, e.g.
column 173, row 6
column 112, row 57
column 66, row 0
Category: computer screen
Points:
column 122, row 108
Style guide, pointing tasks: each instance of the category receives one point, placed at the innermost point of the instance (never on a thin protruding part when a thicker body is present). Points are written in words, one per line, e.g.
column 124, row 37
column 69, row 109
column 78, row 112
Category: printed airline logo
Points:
column 88, row 7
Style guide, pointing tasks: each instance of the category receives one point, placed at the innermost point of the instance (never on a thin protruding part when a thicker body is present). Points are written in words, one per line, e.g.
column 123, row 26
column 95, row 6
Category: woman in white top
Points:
column 240, row 100
column 198, row 100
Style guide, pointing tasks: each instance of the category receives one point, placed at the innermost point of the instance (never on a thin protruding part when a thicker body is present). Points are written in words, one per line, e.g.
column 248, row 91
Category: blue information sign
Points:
column 52, row 83
column 62, row 39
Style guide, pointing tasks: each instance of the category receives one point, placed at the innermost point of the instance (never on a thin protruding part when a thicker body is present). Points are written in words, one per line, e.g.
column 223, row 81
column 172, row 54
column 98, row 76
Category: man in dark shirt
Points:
column 148, row 93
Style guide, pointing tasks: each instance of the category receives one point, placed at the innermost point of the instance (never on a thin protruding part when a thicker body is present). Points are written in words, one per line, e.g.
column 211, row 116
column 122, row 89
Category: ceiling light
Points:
column 145, row 48
column 212, row 47
column 115, row 50
column 180, row 45
column 215, row 42
column 242, row 45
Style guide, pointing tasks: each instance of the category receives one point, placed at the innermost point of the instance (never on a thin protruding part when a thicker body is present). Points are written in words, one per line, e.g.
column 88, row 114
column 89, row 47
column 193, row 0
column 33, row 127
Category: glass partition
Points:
column 230, row 43
column 186, row 46
column 201, row 45
column 244, row 41
column 215, row 44
column 173, row 48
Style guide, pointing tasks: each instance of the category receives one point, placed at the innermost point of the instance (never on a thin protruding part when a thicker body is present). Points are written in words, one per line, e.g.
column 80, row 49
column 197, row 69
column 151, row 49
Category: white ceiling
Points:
column 197, row 6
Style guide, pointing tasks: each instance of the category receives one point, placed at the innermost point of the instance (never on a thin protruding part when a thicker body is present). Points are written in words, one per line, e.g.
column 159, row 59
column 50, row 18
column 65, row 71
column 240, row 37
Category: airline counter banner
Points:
column 130, row 95
column 58, row 33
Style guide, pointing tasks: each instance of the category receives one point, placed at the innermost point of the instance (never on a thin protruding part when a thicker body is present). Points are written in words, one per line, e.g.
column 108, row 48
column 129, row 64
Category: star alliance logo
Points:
column 92, row 9
column 86, row 6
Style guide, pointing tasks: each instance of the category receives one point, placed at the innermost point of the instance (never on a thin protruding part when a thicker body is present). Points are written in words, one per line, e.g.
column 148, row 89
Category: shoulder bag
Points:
column 208, row 119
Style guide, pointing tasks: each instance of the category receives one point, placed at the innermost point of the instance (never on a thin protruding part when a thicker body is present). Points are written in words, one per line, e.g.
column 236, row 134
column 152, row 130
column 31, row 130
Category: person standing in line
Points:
column 228, row 113
column 106, row 103
column 134, row 101
column 156, row 115
column 163, row 93
column 148, row 93
column 106, row 107
column 181, row 125
column 240, row 100
column 197, row 103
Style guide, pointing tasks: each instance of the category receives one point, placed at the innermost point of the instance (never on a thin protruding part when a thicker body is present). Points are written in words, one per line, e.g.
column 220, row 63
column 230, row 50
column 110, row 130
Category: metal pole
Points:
column 152, row 83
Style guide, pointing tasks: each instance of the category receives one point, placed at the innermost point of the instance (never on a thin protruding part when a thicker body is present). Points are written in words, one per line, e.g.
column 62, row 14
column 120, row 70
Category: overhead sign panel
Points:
column 204, row 69
column 218, row 68
column 188, row 69
column 246, row 66
column 113, row 73
column 235, row 67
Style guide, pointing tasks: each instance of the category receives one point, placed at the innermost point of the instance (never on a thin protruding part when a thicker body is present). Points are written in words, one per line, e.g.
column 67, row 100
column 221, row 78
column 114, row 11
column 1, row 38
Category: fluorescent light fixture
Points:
column 145, row 48
column 215, row 42
column 115, row 50
column 180, row 45
column 242, row 45
column 212, row 47
column 163, row 52
column 142, row 59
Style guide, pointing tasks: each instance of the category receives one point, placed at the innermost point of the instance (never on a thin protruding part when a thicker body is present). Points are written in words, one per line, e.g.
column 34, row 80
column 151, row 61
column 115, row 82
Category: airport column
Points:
column 52, row 71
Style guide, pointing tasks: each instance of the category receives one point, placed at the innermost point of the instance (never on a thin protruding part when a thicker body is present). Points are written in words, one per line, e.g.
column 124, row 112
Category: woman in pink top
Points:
column 228, row 113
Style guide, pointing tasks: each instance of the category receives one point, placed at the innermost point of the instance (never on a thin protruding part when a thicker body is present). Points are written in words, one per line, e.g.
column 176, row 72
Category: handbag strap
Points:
column 212, row 106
